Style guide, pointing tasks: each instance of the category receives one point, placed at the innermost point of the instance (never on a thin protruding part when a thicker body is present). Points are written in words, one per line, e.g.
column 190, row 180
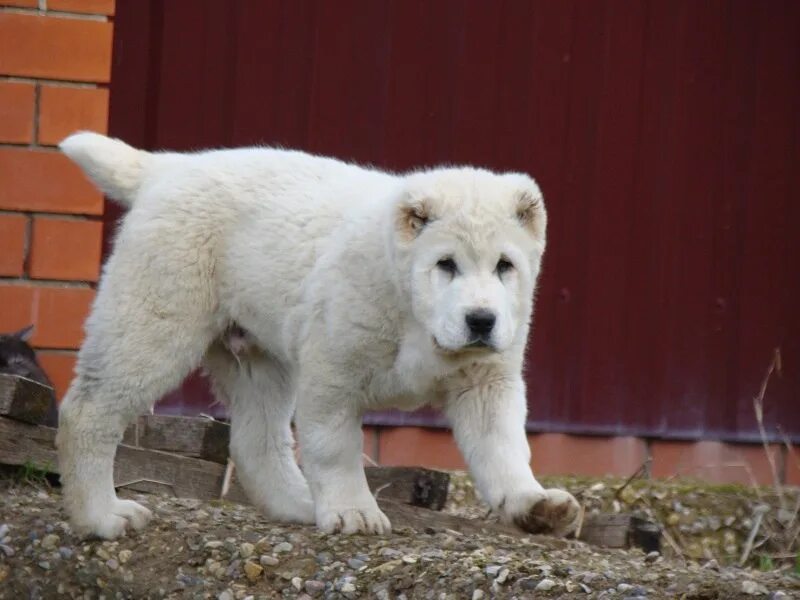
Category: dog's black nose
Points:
column 480, row 322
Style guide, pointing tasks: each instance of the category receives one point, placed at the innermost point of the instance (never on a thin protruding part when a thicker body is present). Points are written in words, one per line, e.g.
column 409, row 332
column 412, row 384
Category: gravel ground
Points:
column 219, row 550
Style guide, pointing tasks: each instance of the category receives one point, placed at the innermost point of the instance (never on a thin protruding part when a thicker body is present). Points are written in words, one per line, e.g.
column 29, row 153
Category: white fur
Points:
column 334, row 273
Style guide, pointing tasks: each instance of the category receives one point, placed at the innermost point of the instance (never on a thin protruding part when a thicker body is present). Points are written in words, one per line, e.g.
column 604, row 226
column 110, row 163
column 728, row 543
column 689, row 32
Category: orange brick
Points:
column 418, row 446
column 95, row 7
column 64, row 110
column 22, row 3
column 54, row 47
column 57, row 313
column 16, row 112
column 562, row 454
column 793, row 466
column 65, row 249
column 39, row 180
column 17, row 309
column 716, row 462
column 60, row 367
column 12, row 244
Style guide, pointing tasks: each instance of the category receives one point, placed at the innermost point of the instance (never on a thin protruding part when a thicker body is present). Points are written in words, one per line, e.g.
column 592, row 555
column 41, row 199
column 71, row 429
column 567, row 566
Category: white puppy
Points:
column 357, row 289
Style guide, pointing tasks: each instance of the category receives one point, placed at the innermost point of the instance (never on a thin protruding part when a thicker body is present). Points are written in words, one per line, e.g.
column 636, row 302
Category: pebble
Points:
column 4, row 529
column 50, row 541
column 213, row 545
column 410, row 559
column 226, row 595
column 253, row 571
column 545, row 585
column 347, row 588
column 324, row 558
column 297, row 583
column 283, row 547
column 624, row 587
column 112, row 564
column 246, row 550
column 752, row 588
column 65, row 553
column 268, row 561
column 355, row 563
column 44, row 565
column 502, row 576
column 7, row 550
column 492, row 570
column 477, row 595
column 125, row 556
column 314, row 587
column 652, row 556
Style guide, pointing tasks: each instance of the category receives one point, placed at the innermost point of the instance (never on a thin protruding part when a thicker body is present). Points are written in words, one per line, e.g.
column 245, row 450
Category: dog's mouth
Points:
column 476, row 345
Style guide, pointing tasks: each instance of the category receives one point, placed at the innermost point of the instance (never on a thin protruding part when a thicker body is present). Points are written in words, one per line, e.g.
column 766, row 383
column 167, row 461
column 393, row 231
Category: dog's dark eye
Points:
column 448, row 265
column 504, row 266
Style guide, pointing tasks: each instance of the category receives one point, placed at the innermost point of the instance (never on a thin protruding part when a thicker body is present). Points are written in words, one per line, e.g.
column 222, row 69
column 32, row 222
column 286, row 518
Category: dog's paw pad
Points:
column 557, row 514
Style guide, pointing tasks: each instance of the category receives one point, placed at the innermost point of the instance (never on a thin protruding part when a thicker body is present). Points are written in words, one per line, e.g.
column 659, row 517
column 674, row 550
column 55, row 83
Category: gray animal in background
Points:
column 18, row 358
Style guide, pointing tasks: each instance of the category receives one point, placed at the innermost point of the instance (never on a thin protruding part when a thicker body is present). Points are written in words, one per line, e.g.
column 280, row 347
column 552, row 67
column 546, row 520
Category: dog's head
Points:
column 470, row 243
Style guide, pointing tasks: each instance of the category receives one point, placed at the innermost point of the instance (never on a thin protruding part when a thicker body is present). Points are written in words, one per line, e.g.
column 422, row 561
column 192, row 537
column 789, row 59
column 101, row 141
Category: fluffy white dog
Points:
column 357, row 289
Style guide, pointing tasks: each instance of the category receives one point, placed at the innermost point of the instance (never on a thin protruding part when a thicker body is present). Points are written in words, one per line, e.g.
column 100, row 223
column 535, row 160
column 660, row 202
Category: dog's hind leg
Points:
column 259, row 393
column 142, row 338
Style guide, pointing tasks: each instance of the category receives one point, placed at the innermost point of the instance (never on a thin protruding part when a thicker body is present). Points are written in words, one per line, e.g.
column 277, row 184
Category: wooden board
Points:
column 24, row 399
column 190, row 436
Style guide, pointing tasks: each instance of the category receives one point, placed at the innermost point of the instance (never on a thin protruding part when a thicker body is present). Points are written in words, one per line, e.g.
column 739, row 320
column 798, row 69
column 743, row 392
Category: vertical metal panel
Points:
column 663, row 133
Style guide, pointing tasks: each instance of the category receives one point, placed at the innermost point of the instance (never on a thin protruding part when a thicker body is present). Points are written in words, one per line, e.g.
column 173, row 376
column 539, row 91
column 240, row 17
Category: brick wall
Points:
column 55, row 63
column 596, row 456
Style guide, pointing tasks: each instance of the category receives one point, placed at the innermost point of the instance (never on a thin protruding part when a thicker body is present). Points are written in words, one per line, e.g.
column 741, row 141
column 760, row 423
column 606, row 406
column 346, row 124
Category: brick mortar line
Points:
column 37, row 104
column 60, row 351
column 26, row 247
column 44, row 12
column 67, row 83
column 62, row 216
column 21, row 282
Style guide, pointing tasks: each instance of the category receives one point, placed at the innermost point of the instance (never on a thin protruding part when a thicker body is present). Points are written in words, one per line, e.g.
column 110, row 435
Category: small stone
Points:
column 492, row 570
column 50, row 541
column 652, row 556
column 752, row 588
column 324, row 558
column 477, row 595
column 112, row 564
column 263, row 545
column 283, row 547
column 125, row 556
column 101, row 553
column 355, row 563
column 314, row 587
column 624, row 587
column 246, row 550
column 545, row 585
column 213, row 545
column 502, row 576
column 347, row 588
column 5, row 570
column 226, row 595
column 44, row 565
column 253, row 571
column 65, row 553
column 268, row 561
column 410, row 559
column 4, row 529
column 7, row 550
column 297, row 583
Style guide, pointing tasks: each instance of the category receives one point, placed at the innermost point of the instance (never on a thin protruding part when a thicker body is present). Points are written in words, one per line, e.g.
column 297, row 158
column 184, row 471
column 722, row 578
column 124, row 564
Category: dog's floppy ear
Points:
column 413, row 215
column 531, row 213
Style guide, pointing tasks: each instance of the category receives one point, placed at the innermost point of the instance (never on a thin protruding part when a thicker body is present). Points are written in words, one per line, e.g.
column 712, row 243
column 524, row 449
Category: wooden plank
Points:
column 196, row 437
column 24, row 399
column 149, row 470
column 416, row 486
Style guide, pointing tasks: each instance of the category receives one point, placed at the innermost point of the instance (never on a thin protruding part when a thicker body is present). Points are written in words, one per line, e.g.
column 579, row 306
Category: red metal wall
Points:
column 665, row 135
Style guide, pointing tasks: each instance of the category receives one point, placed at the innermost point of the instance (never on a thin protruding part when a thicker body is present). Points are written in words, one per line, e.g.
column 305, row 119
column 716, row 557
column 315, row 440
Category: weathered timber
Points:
column 417, row 486
column 24, row 399
column 197, row 437
column 147, row 470
column 621, row 531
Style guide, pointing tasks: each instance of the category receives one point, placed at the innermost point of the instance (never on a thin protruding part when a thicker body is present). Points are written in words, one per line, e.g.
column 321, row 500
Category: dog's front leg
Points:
column 329, row 430
column 489, row 425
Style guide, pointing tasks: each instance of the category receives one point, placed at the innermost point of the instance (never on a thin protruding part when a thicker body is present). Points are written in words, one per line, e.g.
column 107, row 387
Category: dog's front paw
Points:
column 110, row 522
column 353, row 519
column 550, row 511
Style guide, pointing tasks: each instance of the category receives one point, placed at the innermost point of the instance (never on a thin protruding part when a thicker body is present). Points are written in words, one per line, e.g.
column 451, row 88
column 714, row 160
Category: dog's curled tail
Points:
column 115, row 167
